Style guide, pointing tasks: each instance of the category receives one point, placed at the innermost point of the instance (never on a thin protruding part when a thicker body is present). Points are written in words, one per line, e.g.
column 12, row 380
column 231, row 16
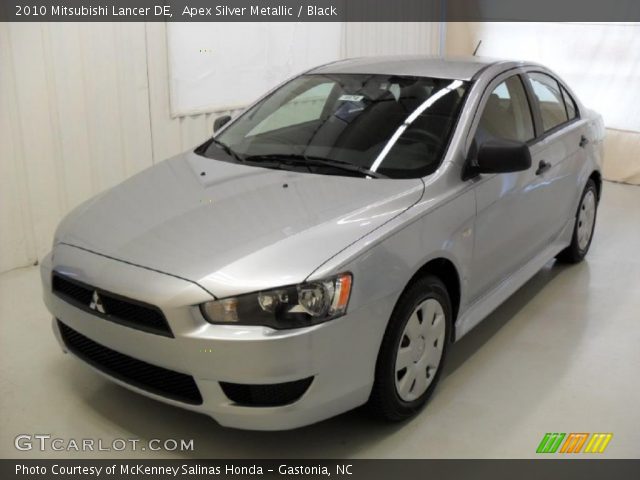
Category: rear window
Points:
column 551, row 101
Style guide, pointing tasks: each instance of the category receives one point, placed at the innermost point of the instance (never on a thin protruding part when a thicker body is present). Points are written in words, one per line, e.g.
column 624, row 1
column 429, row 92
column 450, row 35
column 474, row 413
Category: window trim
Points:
column 529, row 104
column 566, row 95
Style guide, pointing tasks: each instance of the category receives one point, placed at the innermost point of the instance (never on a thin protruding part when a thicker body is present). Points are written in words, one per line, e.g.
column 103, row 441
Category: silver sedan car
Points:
column 323, row 249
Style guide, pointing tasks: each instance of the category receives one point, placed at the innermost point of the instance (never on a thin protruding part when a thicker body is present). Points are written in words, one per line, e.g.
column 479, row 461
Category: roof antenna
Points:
column 477, row 48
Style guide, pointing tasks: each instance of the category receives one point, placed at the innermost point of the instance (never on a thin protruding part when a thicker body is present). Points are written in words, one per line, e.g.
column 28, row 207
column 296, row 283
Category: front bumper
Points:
column 340, row 355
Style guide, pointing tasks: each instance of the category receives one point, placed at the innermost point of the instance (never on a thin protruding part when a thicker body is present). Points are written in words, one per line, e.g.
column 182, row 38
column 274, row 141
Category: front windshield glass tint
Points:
column 395, row 126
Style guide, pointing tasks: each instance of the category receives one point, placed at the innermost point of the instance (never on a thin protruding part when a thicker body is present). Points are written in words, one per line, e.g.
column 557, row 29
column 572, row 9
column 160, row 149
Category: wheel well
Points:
column 446, row 271
column 597, row 179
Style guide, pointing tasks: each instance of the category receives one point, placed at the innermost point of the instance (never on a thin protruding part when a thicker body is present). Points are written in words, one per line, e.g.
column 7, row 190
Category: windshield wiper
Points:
column 227, row 150
column 307, row 160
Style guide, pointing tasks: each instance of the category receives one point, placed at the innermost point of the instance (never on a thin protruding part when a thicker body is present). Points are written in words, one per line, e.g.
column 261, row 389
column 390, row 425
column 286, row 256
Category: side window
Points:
column 572, row 111
column 506, row 114
column 549, row 96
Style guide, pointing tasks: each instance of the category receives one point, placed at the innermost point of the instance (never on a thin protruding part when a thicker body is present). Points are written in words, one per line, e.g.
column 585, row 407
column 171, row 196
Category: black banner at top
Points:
column 320, row 10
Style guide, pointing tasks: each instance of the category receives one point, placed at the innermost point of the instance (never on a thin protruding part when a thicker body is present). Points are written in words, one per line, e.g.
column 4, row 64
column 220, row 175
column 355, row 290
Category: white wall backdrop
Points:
column 85, row 105
column 206, row 59
column 389, row 38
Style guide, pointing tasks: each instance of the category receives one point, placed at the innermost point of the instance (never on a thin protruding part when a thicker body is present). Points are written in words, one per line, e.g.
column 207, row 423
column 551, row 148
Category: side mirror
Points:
column 500, row 156
column 220, row 122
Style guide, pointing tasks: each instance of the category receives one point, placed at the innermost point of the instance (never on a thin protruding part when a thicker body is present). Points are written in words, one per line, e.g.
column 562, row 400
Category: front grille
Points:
column 269, row 395
column 143, row 375
column 117, row 308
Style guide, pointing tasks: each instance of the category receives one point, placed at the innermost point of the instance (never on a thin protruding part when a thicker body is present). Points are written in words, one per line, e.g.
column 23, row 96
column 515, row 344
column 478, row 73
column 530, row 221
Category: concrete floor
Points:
column 562, row 355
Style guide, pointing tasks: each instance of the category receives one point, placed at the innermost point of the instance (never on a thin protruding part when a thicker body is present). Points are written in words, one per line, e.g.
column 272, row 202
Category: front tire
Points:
column 584, row 226
column 413, row 350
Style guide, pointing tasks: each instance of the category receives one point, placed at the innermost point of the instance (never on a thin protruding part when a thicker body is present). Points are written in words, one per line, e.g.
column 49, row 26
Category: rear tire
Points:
column 413, row 350
column 584, row 226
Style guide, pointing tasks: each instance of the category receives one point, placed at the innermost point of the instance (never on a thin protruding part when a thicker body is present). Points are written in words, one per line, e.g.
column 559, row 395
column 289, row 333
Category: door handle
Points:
column 542, row 167
column 583, row 141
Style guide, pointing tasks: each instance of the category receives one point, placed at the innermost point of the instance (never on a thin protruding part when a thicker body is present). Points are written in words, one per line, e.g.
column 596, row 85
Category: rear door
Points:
column 557, row 152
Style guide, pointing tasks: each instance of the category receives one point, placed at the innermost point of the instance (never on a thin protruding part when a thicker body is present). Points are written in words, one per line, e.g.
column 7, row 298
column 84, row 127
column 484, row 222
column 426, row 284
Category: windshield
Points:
column 376, row 125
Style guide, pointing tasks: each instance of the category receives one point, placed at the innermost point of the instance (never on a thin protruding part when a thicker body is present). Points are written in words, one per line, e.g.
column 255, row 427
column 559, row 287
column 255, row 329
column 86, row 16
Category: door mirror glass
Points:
column 220, row 122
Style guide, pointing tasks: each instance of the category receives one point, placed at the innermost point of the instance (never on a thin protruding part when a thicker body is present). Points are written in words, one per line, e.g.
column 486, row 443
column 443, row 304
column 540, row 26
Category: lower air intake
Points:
column 154, row 379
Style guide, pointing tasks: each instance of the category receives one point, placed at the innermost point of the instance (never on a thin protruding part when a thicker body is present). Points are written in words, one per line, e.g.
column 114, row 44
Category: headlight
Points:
column 286, row 307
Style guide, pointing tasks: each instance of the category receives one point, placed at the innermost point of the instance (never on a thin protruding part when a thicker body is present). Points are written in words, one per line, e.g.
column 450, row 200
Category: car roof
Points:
column 453, row 68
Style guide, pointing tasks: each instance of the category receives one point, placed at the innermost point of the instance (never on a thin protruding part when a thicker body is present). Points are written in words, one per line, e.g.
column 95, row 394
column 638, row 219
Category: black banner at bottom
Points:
column 317, row 469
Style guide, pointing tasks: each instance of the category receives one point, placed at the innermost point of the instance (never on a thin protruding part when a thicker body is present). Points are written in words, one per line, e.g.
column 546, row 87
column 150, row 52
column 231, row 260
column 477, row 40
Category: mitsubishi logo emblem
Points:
column 96, row 303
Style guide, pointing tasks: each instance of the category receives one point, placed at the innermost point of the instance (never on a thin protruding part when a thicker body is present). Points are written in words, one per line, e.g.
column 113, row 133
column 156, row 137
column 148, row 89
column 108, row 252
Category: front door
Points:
column 508, row 219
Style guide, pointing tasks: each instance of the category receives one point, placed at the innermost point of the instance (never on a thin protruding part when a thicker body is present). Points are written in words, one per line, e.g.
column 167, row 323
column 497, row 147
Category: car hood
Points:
column 233, row 228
